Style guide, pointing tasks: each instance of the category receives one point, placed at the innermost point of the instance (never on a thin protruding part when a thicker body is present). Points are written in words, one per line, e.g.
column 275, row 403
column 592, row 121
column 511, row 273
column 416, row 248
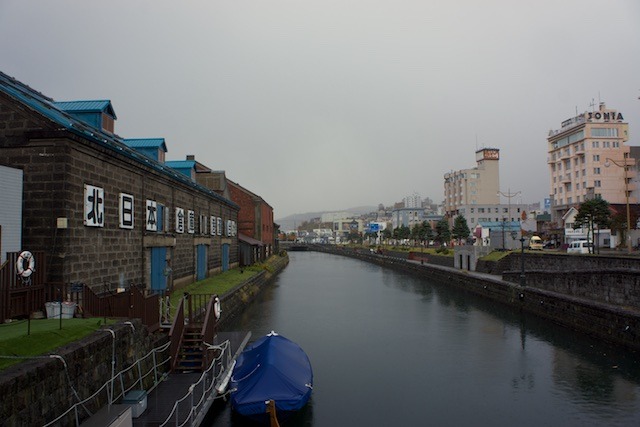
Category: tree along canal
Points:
column 390, row 349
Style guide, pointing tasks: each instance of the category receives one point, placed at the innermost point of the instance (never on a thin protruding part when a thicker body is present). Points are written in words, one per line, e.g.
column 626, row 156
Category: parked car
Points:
column 579, row 247
column 535, row 243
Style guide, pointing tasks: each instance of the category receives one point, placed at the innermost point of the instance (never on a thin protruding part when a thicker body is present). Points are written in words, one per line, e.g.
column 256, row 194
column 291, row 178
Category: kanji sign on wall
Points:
column 232, row 228
column 179, row 220
column 93, row 206
column 191, row 225
column 126, row 210
column 152, row 216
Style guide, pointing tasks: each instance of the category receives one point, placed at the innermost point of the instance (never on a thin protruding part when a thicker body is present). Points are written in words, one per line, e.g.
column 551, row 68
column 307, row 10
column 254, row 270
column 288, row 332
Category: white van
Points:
column 535, row 243
column 579, row 247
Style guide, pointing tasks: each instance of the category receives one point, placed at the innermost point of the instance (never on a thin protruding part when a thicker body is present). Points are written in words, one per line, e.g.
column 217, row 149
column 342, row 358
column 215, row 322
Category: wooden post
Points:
column 271, row 410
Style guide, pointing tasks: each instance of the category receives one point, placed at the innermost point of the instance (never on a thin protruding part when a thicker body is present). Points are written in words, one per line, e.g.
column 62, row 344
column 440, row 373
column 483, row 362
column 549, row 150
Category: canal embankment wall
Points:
column 614, row 323
column 607, row 279
column 235, row 300
column 39, row 390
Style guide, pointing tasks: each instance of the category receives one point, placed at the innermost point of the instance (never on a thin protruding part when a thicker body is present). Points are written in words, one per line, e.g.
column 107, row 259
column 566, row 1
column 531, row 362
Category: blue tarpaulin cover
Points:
column 272, row 368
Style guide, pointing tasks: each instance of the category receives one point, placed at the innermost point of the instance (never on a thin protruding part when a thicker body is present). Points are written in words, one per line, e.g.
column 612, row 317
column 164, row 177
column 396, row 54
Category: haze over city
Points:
column 320, row 106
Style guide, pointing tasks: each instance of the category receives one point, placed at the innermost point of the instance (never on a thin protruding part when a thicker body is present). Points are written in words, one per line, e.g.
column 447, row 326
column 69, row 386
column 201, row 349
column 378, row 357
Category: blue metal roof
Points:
column 146, row 143
column 181, row 164
column 185, row 167
column 46, row 107
column 91, row 106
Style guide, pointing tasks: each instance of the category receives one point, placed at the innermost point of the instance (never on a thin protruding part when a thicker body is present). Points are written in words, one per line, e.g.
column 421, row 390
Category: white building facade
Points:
column 476, row 186
column 588, row 158
column 10, row 211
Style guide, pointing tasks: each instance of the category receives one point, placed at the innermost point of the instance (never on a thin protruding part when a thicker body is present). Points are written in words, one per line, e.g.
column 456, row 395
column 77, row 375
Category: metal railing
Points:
column 176, row 333
column 130, row 378
column 201, row 394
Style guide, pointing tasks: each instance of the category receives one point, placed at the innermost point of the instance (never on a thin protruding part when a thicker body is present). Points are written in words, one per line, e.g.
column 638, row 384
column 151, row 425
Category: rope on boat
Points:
column 246, row 376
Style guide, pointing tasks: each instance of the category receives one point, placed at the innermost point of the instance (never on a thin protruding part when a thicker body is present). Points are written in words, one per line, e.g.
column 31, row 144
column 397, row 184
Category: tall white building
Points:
column 476, row 186
column 587, row 158
column 413, row 201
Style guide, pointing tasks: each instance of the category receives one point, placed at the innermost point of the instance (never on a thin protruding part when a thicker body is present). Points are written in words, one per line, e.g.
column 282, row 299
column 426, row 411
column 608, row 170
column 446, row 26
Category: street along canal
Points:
column 390, row 349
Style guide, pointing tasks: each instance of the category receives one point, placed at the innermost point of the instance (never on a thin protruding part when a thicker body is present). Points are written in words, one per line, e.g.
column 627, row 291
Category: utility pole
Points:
column 508, row 195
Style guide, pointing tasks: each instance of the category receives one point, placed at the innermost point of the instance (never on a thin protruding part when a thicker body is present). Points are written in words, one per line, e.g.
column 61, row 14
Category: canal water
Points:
column 390, row 349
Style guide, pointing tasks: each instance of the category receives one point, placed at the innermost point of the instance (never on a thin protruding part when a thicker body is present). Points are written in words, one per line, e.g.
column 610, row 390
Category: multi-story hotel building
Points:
column 587, row 158
column 477, row 186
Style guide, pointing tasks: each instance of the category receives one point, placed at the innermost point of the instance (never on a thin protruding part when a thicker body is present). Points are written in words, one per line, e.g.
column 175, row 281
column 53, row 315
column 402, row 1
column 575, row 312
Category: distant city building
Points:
column 343, row 227
column 408, row 217
column 586, row 159
column 478, row 214
column 634, row 173
column 413, row 201
column 476, row 186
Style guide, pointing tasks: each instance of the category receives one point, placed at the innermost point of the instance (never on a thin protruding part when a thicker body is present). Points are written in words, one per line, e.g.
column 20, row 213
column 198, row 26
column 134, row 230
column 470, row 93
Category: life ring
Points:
column 25, row 257
column 216, row 308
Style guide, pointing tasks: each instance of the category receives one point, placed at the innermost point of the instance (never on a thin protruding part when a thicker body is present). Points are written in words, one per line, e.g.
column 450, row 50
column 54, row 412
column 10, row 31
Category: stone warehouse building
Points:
column 109, row 211
column 256, row 229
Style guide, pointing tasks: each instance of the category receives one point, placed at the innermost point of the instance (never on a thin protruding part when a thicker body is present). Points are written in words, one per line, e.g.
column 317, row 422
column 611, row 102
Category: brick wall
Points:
column 247, row 214
column 267, row 235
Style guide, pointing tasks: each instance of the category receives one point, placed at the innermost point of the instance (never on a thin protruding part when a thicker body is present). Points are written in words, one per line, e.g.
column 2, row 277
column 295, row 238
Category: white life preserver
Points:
column 25, row 257
column 216, row 308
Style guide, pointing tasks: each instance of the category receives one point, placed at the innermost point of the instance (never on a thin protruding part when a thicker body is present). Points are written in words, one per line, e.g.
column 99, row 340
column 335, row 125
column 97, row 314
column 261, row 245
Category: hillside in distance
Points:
column 291, row 222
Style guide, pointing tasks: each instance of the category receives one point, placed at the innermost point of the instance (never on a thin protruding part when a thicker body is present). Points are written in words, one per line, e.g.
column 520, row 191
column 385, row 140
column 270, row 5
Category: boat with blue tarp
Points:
column 273, row 368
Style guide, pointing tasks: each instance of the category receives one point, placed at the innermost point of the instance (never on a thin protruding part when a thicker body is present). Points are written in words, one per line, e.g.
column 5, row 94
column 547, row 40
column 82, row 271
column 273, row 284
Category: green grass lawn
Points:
column 218, row 284
column 45, row 336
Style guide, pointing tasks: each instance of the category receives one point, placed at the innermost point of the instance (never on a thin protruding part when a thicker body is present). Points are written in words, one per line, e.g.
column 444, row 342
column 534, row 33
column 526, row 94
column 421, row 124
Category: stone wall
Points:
column 39, row 390
column 542, row 261
column 608, row 279
column 615, row 286
column 234, row 301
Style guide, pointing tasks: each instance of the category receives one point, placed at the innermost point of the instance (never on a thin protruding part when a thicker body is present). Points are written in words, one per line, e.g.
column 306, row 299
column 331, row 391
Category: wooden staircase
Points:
column 188, row 335
column 191, row 354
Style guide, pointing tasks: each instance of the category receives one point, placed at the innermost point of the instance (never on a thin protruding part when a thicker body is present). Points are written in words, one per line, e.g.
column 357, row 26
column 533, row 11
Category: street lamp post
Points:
column 509, row 195
column 514, row 234
column 624, row 166
column 522, row 277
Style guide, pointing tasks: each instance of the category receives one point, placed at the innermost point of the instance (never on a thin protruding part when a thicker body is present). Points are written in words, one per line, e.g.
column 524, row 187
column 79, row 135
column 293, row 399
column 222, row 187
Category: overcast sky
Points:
column 326, row 105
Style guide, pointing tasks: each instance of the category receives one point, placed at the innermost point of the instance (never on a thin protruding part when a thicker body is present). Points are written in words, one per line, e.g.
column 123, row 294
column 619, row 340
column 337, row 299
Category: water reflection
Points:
column 391, row 349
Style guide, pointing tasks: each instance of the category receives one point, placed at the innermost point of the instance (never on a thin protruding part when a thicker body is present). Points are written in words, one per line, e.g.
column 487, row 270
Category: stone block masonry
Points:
column 234, row 301
column 38, row 391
